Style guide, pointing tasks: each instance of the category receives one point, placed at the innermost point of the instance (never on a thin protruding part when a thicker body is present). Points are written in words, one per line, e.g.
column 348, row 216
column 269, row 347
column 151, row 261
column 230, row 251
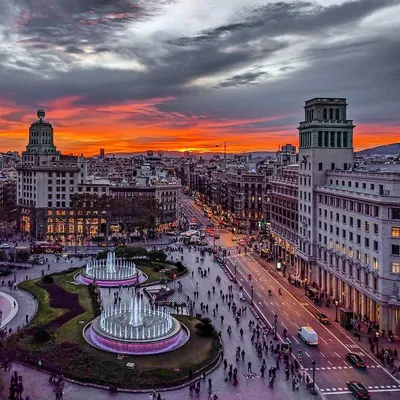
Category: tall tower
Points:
column 326, row 143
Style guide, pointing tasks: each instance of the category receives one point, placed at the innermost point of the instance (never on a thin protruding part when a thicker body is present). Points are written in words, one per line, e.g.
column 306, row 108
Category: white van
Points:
column 308, row 335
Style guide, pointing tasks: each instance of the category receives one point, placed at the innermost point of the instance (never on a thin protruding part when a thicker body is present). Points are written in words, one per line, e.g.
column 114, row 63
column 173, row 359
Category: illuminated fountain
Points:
column 111, row 272
column 136, row 328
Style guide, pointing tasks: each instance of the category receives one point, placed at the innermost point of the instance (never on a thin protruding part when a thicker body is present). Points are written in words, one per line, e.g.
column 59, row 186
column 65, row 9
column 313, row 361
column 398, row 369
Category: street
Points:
column 294, row 311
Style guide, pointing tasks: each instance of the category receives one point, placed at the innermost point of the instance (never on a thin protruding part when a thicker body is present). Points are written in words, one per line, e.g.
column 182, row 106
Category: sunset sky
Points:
column 132, row 75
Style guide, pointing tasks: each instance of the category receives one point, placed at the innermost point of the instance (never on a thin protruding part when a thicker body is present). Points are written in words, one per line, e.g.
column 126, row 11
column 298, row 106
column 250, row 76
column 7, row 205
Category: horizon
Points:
column 229, row 72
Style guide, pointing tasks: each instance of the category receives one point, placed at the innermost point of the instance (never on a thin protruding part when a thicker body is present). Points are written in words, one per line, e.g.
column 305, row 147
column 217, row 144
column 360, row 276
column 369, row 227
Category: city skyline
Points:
column 105, row 70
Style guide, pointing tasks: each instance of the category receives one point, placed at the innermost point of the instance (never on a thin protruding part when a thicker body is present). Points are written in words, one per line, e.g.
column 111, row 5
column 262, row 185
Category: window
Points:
column 395, row 231
column 366, row 258
column 343, row 233
column 358, row 223
column 337, row 246
column 376, row 229
column 395, row 213
column 351, row 220
column 366, row 226
column 332, row 165
column 320, row 166
column 344, row 219
column 358, row 239
column 376, row 263
column 358, row 255
column 395, row 267
column 376, row 246
column 351, row 252
column 330, row 243
column 351, row 236
column 396, row 249
column 372, row 186
column 366, row 242
column 337, row 231
column 344, row 250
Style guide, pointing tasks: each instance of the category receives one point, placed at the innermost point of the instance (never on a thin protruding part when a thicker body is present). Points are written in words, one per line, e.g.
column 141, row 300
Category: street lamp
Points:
column 252, row 293
column 313, row 391
column 336, row 304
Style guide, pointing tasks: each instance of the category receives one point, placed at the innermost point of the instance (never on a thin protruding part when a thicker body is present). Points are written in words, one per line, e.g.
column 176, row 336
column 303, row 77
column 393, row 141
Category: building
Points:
column 349, row 219
column 284, row 213
column 102, row 153
column 47, row 180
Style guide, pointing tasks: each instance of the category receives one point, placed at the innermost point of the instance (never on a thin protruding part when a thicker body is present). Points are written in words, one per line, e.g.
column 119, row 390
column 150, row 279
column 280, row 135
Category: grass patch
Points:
column 45, row 312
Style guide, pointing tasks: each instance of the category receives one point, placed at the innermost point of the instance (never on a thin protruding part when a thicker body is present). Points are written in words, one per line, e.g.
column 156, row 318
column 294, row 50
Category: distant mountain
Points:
column 388, row 149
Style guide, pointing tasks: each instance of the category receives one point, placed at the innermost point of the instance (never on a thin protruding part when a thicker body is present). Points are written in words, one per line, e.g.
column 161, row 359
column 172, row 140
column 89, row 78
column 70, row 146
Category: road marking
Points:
column 297, row 313
column 329, row 362
column 323, row 340
column 260, row 303
column 322, row 354
column 307, row 354
column 337, row 354
column 295, row 340
column 266, row 303
column 330, row 339
column 285, row 312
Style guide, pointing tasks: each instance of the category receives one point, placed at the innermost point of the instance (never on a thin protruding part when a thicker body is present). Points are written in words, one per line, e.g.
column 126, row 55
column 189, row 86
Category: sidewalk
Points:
column 330, row 312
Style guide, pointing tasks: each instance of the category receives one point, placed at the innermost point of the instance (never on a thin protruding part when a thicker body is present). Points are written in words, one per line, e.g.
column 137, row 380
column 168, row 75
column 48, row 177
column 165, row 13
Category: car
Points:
column 217, row 235
column 4, row 246
column 242, row 243
column 321, row 317
column 358, row 389
column 234, row 238
column 356, row 360
column 203, row 243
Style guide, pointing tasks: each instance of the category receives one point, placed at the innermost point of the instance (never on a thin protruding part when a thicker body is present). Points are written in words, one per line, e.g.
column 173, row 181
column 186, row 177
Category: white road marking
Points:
column 322, row 354
column 294, row 338
column 329, row 362
column 323, row 340
column 337, row 354
column 284, row 325
column 307, row 354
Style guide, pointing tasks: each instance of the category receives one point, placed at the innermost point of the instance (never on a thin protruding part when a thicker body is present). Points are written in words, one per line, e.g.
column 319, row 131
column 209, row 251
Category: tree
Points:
column 139, row 213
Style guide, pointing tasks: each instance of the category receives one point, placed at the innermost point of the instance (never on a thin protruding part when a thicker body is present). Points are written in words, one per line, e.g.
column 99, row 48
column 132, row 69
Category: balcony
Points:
column 345, row 123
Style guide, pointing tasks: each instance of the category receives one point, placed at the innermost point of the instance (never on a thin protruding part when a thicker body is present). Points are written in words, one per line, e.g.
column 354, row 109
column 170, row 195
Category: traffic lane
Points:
column 293, row 317
column 337, row 378
column 333, row 355
column 300, row 316
column 341, row 336
column 309, row 352
column 312, row 353
column 381, row 394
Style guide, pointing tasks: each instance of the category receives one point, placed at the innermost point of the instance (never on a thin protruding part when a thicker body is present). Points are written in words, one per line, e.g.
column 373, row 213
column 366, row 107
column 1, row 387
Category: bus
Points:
column 46, row 247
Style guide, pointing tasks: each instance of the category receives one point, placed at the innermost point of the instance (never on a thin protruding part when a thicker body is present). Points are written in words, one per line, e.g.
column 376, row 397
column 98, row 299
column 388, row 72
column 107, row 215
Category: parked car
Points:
column 356, row 360
column 358, row 389
column 4, row 246
column 321, row 317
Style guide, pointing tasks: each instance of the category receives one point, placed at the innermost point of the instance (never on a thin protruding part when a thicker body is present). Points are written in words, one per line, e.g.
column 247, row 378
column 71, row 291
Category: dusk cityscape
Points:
column 199, row 199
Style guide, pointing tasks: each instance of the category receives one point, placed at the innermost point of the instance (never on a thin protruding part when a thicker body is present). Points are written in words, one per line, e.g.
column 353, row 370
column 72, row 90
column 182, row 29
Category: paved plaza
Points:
column 37, row 386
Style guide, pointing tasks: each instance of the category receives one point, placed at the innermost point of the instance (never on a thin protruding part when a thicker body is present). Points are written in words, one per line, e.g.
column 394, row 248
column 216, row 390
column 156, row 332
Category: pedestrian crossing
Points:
column 345, row 389
column 338, row 368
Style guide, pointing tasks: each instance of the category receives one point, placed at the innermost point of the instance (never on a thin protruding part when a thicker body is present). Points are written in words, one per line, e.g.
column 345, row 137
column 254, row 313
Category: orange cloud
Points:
column 142, row 125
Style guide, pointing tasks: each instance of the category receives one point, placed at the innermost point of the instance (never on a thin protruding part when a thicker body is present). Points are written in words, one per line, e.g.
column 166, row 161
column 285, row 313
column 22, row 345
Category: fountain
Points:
column 136, row 328
column 111, row 272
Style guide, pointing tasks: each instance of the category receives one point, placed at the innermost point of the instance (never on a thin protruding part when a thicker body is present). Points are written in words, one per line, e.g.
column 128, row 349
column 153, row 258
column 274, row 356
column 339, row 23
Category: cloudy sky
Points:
column 131, row 75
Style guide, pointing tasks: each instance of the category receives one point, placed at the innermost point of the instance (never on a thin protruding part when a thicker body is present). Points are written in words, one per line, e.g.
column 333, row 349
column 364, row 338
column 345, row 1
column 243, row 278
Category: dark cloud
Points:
column 249, row 78
column 57, row 33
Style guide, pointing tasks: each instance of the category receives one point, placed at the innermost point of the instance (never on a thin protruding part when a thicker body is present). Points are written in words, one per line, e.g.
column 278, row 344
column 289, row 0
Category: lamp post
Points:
column 276, row 326
column 336, row 304
column 252, row 293
column 313, row 391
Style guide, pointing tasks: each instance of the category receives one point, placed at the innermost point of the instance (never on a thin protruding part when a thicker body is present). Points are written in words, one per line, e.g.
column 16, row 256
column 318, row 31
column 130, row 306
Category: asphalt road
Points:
column 294, row 311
